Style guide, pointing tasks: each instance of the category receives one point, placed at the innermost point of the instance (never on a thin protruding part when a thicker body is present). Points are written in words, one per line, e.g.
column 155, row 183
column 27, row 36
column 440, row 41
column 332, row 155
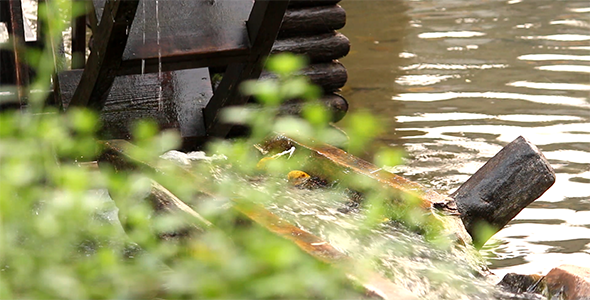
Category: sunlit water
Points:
column 455, row 81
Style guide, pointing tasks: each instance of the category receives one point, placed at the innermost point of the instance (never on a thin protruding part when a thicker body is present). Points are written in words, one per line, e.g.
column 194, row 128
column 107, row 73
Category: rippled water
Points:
column 455, row 81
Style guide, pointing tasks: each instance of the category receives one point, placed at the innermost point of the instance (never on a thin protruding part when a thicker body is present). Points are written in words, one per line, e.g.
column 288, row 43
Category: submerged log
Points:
column 511, row 180
column 319, row 48
column 330, row 76
column 312, row 20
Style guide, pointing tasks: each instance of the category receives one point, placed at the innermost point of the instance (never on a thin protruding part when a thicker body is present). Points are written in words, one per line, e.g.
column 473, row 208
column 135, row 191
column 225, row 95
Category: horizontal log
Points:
column 329, row 76
column 505, row 185
column 334, row 103
column 307, row 21
column 308, row 3
column 318, row 48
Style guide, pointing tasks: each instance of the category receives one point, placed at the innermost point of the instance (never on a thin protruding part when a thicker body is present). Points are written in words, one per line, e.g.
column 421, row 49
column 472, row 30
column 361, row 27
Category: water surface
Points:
column 455, row 81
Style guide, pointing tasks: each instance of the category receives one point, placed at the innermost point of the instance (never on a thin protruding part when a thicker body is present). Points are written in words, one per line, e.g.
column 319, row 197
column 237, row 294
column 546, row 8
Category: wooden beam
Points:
column 79, row 36
column 105, row 59
column 263, row 27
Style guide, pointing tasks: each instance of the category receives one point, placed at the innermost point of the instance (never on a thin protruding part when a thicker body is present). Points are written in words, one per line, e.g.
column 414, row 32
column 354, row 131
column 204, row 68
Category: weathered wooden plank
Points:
column 505, row 185
column 192, row 34
column 307, row 21
column 318, row 48
column 184, row 95
column 330, row 76
column 105, row 58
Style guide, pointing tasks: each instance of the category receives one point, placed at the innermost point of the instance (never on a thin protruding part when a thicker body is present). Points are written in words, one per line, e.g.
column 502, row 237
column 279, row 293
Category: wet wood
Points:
column 505, row 185
column 308, row 3
column 263, row 26
column 334, row 103
column 329, row 76
column 215, row 36
column 341, row 163
column 163, row 202
column 307, row 21
column 117, row 153
column 184, row 95
column 78, row 36
column 105, row 59
column 318, row 48
column 12, row 14
column 334, row 164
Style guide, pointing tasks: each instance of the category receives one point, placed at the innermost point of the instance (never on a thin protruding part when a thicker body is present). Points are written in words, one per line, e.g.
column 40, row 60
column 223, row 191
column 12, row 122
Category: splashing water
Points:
column 399, row 254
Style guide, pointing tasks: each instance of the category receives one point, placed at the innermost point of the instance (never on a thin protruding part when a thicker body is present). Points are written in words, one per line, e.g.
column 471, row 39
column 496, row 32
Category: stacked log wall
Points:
column 310, row 28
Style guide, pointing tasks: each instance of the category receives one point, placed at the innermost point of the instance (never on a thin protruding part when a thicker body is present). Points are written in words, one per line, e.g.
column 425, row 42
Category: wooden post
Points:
column 105, row 59
column 16, row 31
column 263, row 27
column 78, row 36
column 505, row 185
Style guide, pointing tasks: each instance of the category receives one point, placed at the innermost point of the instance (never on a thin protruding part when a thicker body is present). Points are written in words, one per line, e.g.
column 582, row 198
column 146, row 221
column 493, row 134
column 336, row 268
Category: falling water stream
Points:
column 160, row 103
column 143, row 36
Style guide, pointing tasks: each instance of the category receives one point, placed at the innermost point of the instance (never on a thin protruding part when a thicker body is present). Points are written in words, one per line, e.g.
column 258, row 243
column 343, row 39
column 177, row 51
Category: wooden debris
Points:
column 505, row 185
